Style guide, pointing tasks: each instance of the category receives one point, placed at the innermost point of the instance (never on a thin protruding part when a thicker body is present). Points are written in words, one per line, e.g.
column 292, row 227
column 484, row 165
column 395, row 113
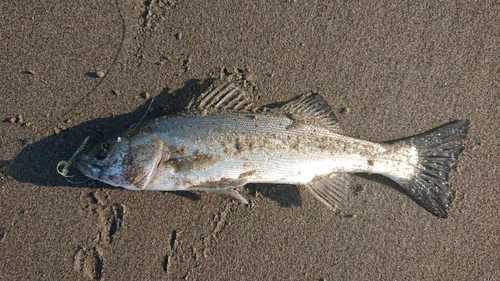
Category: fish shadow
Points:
column 286, row 195
column 386, row 182
column 382, row 180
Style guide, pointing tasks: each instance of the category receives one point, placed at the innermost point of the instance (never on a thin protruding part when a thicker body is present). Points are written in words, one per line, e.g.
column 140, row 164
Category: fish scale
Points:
column 271, row 160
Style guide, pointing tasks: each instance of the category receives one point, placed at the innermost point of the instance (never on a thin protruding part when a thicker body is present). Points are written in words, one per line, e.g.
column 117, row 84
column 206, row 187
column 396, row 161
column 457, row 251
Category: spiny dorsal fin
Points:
column 314, row 108
column 228, row 96
column 332, row 190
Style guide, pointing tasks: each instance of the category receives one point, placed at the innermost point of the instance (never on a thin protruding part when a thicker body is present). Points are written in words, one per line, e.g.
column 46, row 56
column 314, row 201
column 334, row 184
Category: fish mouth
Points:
column 87, row 169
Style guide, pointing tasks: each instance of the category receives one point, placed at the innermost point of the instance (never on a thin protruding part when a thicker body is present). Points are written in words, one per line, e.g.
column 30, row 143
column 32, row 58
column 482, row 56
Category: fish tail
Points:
column 437, row 151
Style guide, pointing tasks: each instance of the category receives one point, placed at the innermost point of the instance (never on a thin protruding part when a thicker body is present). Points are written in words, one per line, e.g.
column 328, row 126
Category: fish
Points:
column 222, row 141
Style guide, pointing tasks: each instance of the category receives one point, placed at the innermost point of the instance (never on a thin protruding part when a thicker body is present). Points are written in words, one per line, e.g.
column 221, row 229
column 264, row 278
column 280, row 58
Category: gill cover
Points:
column 127, row 162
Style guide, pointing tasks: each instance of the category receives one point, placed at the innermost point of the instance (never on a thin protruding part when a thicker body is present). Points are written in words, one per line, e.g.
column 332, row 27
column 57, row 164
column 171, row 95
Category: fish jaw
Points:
column 129, row 162
column 87, row 166
column 110, row 175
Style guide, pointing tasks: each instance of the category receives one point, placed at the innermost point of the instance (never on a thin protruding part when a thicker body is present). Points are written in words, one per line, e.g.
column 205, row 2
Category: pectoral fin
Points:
column 227, row 193
column 332, row 190
column 224, row 188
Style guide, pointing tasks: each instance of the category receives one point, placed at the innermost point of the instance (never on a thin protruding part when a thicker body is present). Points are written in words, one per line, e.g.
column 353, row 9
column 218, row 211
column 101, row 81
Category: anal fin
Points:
column 332, row 189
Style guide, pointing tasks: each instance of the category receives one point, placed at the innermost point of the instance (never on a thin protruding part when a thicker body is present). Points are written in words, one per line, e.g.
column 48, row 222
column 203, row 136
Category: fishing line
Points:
column 143, row 116
column 65, row 170
column 87, row 95
column 157, row 86
column 67, row 164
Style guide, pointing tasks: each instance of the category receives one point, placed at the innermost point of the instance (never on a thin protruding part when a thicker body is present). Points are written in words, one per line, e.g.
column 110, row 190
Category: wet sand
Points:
column 390, row 70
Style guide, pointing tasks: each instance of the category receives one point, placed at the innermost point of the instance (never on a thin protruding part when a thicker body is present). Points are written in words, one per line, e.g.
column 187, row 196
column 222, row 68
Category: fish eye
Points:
column 103, row 152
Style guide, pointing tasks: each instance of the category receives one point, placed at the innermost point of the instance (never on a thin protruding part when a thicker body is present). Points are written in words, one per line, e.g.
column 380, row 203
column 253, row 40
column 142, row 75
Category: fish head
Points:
column 127, row 162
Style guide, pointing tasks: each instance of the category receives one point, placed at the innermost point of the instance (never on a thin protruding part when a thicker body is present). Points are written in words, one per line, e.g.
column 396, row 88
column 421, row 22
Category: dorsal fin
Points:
column 314, row 108
column 228, row 96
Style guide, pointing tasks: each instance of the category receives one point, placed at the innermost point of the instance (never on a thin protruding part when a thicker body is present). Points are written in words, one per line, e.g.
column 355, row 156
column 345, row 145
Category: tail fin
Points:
column 437, row 151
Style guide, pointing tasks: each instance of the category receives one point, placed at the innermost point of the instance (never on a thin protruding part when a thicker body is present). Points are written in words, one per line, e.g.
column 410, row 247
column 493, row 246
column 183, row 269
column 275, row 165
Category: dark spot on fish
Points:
column 180, row 164
column 370, row 162
column 297, row 122
column 178, row 150
column 103, row 152
column 240, row 144
column 186, row 164
column 247, row 174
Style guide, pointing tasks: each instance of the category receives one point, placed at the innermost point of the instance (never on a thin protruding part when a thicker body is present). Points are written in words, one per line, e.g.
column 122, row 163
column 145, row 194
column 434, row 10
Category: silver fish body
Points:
column 216, row 149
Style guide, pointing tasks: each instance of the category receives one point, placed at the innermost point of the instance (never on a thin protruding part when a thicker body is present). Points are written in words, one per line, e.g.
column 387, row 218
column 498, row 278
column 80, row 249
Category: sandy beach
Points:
column 389, row 69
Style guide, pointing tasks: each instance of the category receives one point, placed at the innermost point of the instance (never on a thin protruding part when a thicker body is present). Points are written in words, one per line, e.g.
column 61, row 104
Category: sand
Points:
column 392, row 69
